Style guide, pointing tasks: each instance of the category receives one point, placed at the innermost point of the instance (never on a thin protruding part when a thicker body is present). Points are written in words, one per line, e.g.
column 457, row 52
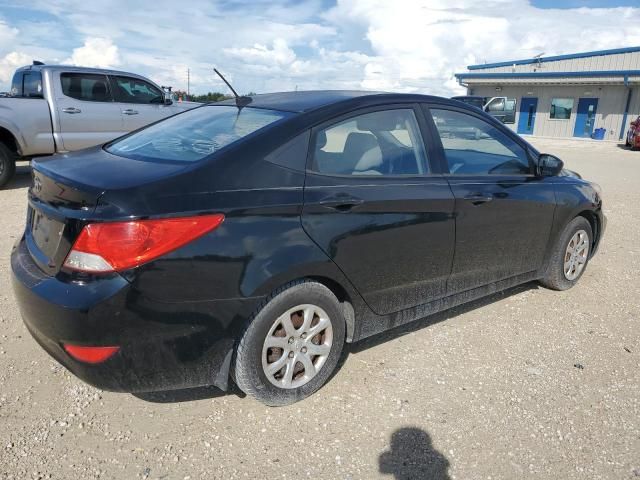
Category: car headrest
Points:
column 321, row 139
column 99, row 91
column 377, row 122
column 358, row 143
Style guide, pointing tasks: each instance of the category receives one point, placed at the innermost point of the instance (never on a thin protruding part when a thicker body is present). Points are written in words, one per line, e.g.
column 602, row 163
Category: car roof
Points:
column 72, row 68
column 304, row 101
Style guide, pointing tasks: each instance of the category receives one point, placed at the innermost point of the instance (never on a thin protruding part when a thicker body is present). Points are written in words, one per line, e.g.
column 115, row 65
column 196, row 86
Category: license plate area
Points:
column 47, row 233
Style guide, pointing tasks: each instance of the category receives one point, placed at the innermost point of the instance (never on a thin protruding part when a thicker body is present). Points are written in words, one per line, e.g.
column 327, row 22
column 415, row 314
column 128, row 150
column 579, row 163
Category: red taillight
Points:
column 90, row 354
column 117, row 246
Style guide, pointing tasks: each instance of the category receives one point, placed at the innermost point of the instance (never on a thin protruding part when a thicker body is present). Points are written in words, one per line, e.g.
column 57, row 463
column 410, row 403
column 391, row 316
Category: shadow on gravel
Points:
column 188, row 394
column 403, row 330
column 412, row 456
column 622, row 146
column 21, row 180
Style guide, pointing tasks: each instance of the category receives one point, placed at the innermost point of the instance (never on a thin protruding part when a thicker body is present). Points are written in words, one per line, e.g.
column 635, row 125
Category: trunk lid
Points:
column 65, row 194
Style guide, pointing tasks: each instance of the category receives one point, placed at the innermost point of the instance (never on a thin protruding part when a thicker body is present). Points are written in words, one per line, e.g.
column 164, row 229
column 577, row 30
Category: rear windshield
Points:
column 195, row 134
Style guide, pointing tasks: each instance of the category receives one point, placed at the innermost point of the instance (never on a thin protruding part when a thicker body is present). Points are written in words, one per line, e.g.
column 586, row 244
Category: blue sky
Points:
column 275, row 45
column 584, row 3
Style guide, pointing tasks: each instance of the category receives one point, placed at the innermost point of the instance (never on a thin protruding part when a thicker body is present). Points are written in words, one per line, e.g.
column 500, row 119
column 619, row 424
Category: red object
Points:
column 633, row 135
column 124, row 245
column 90, row 354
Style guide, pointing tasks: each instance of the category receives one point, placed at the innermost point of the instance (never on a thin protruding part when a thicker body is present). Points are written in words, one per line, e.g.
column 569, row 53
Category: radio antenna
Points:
column 240, row 101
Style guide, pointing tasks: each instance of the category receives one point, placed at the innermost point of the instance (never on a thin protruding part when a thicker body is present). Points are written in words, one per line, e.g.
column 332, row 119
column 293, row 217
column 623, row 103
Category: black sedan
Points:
column 252, row 240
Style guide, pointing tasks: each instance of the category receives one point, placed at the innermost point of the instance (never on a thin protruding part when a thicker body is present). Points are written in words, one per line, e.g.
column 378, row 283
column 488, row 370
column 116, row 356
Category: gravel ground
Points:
column 526, row 384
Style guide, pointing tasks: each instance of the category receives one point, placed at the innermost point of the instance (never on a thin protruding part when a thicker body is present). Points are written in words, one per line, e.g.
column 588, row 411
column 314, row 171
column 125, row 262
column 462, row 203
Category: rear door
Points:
column 504, row 212
column 140, row 102
column 86, row 111
column 374, row 205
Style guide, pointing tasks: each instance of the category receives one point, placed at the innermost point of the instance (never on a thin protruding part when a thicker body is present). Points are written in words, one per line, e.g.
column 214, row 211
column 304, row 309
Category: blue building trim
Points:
column 587, row 74
column 570, row 56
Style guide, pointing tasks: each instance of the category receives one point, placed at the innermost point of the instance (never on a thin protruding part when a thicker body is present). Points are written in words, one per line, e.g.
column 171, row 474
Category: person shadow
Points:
column 412, row 457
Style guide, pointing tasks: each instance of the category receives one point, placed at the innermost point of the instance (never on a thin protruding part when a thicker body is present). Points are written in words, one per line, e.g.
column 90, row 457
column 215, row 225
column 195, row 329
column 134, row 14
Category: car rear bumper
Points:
column 163, row 346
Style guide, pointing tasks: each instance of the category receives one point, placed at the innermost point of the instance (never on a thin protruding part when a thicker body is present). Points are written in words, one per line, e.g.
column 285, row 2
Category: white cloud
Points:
column 96, row 52
column 420, row 46
column 279, row 54
column 8, row 65
column 275, row 45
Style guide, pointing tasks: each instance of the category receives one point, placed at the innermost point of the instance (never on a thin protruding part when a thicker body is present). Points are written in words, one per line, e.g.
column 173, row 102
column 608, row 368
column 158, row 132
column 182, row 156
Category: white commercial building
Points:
column 566, row 95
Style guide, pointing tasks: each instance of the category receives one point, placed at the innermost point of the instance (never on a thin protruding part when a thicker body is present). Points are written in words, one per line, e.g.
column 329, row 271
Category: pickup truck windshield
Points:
column 195, row 134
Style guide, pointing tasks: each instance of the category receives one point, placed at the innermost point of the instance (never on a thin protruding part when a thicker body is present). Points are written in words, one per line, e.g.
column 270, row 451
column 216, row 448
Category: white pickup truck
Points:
column 54, row 109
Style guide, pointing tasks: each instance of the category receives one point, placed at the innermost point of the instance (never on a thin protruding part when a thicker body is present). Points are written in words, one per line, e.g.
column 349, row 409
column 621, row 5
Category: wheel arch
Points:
column 348, row 298
column 594, row 221
column 9, row 139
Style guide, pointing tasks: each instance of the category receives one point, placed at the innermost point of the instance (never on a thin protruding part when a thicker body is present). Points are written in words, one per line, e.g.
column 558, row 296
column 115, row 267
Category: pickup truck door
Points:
column 85, row 109
column 139, row 102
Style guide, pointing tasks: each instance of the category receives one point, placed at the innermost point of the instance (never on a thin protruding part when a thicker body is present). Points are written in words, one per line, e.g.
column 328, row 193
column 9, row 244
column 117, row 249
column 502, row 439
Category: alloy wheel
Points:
column 297, row 346
column 576, row 255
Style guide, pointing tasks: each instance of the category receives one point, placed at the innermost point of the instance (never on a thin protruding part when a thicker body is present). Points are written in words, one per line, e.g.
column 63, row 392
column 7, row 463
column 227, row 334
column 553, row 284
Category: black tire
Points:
column 247, row 368
column 554, row 277
column 7, row 165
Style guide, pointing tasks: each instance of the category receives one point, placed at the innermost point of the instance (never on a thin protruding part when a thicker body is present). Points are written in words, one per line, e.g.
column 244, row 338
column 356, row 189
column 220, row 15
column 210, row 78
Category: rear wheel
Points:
column 292, row 345
column 570, row 256
column 7, row 165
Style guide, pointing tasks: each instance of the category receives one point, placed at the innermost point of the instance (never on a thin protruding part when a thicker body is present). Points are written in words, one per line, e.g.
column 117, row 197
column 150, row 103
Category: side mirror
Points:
column 548, row 165
column 167, row 99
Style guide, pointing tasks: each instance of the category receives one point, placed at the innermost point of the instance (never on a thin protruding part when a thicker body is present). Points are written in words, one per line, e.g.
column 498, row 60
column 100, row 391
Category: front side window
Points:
column 134, row 90
column 194, row 135
column 86, row 86
column 561, row 108
column 475, row 147
column 496, row 105
column 387, row 142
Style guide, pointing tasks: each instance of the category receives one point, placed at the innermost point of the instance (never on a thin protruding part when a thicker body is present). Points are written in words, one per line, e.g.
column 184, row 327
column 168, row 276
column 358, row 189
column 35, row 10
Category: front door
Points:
column 585, row 119
column 527, row 120
column 504, row 213
column 140, row 102
column 371, row 204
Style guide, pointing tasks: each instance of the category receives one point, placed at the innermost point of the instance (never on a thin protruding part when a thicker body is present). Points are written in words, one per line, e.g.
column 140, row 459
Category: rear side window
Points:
column 387, row 142
column 134, row 90
column 194, row 135
column 85, row 86
column 27, row 84
column 475, row 147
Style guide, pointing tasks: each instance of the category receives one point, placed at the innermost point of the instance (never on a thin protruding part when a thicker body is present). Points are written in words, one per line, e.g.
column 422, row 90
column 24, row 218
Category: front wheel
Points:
column 7, row 165
column 292, row 345
column 569, row 258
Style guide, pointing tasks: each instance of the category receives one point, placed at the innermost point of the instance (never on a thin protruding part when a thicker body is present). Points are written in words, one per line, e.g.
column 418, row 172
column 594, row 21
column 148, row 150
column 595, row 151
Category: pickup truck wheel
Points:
column 7, row 165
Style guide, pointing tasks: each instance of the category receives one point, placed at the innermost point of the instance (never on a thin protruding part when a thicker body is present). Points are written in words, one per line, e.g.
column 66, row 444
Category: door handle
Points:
column 130, row 111
column 341, row 203
column 478, row 198
column 71, row 110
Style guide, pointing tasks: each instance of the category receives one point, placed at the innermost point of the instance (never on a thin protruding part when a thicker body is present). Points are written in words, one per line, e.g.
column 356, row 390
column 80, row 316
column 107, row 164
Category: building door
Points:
column 528, row 107
column 586, row 117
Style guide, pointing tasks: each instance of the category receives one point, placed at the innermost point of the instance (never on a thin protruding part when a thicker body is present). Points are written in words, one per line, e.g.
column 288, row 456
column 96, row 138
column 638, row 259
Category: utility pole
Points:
column 188, row 81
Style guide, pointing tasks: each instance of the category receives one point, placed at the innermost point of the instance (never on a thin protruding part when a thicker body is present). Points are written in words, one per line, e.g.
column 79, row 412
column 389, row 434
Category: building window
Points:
column 561, row 108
